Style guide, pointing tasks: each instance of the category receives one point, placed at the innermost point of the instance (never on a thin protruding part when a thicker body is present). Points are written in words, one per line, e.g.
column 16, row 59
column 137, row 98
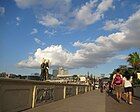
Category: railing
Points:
column 17, row 95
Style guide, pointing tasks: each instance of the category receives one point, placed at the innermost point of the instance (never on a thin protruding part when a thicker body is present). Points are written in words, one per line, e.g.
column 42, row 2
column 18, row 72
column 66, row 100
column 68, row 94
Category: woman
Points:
column 117, row 84
column 127, row 80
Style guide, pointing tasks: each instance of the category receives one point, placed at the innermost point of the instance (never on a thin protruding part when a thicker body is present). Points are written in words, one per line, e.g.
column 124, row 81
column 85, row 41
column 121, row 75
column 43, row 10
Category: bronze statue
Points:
column 44, row 69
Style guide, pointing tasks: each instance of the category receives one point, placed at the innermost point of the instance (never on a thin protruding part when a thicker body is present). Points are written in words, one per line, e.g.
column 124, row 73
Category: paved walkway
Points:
column 88, row 102
column 93, row 101
column 113, row 106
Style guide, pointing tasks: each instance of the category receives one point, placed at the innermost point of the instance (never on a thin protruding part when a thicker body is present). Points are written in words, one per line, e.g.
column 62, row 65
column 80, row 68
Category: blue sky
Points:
column 81, row 35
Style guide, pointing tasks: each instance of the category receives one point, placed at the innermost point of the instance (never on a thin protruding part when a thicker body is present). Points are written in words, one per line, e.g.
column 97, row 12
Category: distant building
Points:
column 82, row 79
column 55, row 72
column 61, row 72
column 3, row 74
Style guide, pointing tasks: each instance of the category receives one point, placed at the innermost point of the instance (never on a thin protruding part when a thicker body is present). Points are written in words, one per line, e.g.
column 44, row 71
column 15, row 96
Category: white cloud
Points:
column 122, row 57
column 58, row 12
column 92, row 54
column 34, row 31
column 30, row 63
column 50, row 33
column 87, row 15
column 110, row 25
column 130, row 28
column 56, row 54
column 48, row 4
column 104, row 5
column 18, row 19
column 26, row 3
column 48, row 12
column 39, row 41
column 2, row 10
column 49, row 21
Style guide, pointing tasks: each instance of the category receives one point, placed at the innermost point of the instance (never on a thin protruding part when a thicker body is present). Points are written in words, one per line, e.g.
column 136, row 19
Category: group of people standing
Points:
column 44, row 69
column 120, row 83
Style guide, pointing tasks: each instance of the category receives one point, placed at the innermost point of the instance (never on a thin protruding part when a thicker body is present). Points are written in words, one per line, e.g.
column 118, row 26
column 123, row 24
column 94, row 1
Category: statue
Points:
column 47, row 69
column 44, row 69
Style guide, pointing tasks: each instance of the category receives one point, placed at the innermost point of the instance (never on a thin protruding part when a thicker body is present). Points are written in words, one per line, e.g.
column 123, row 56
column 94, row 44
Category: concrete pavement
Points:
column 93, row 101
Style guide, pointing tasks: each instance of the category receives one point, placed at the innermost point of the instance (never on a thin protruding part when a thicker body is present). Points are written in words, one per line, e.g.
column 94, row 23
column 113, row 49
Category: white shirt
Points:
column 127, row 83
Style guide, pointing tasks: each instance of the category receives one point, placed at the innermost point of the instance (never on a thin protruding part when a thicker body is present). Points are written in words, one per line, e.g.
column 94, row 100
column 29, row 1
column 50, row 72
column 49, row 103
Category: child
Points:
column 128, row 87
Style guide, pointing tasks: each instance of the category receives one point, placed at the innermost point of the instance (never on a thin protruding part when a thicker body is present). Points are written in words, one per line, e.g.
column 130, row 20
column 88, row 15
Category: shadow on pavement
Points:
column 112, row 95
column 136, row 98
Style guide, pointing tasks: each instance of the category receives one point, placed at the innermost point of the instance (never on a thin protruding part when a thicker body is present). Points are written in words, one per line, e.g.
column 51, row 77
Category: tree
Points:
column 134, row 60
column 75, row 78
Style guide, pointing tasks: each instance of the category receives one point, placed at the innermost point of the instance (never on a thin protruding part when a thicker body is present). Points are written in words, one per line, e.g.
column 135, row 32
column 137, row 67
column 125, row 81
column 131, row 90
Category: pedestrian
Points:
column 101, row 85
column 117, row 84
column 110, row 88
column 127, row 81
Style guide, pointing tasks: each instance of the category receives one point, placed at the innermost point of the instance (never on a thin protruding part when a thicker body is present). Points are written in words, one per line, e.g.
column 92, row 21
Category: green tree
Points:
column 75, row 78
column 134, row 60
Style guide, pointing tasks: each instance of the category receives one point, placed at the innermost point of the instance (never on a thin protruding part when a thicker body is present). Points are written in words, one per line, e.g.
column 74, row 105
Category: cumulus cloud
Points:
column 38, row 41
column 47, row 4
column 49, row 21
column 2, row 10
column 34, row 31
column 30, row 63
column 122, row 57
column 92, row 54
column 87, row 15
column 130, row 28
column 111, row 25
column 56, row 54
column 48, row 12
column 26, row 3
column 104, row 5
column 60, row 12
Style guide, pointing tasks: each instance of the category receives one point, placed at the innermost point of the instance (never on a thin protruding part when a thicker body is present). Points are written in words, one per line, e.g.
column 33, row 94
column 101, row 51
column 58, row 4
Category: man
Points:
column 117, row 83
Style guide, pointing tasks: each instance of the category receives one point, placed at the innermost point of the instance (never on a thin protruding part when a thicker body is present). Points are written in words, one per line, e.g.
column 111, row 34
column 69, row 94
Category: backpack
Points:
column 118, row 79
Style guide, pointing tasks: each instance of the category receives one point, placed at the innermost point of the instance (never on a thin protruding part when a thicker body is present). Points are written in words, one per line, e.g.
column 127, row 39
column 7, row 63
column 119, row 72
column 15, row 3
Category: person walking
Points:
column 110, row 88
column 101, row 85
column 127, row 81
column 117, row 84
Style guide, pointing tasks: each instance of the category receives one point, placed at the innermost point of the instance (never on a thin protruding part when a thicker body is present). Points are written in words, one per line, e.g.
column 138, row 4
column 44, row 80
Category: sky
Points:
column 94, row 36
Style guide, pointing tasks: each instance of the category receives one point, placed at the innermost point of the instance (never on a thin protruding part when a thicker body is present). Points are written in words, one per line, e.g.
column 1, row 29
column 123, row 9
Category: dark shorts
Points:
column 128, row 89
